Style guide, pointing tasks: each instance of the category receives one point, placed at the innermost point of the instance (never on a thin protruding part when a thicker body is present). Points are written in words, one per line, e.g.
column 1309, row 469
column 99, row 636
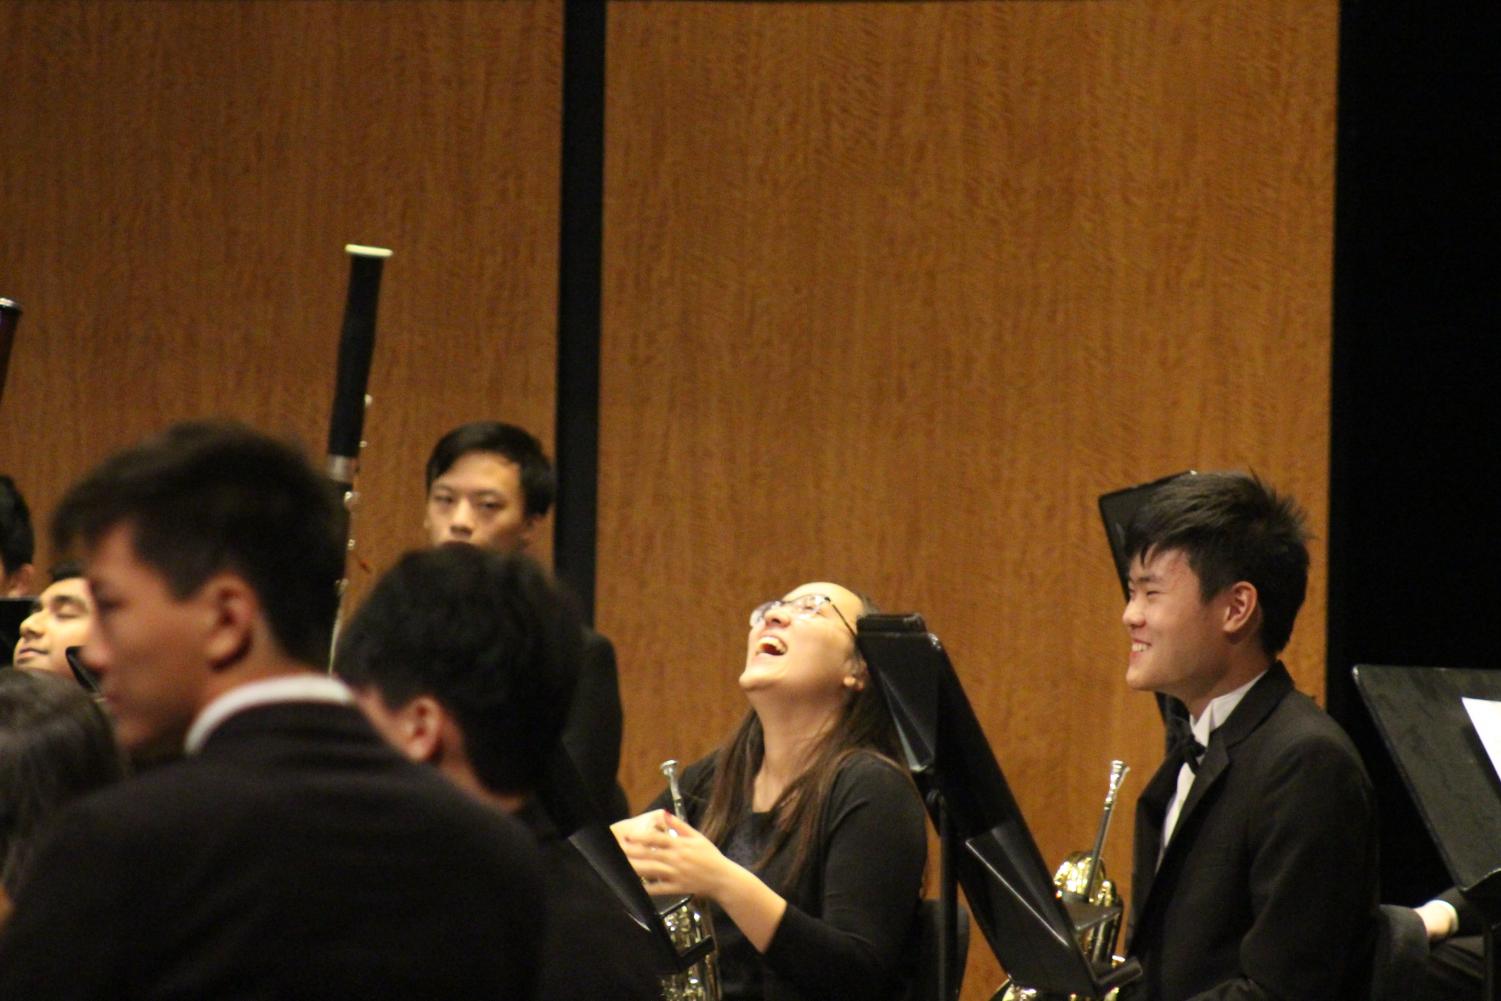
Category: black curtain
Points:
column 1416, row 398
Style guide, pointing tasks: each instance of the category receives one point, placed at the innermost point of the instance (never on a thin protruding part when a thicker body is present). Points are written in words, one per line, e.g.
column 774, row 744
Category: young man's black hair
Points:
column 1232, row 527
column 465, row 658
column 209, row 496
column 17, row 538
column 490, row 636
column 539, row 484
column 284, row 821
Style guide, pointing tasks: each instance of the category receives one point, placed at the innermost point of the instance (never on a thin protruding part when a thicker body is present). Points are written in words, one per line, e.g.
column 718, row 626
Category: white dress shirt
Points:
column 1218, row 710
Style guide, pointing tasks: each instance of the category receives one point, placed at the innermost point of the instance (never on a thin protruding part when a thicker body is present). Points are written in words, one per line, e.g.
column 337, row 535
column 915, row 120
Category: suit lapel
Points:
column 1151, row 806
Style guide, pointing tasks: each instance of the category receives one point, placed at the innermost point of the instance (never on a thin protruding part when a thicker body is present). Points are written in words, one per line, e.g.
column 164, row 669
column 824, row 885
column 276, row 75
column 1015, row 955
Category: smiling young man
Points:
column 490, row 485
column 290, row 852
column 60, row 618
column 1255, row 870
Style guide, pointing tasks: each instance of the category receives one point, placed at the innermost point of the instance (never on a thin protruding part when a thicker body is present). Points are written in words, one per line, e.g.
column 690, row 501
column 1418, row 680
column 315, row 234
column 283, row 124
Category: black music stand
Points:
column 1117, row 508
column 1425, row 727
column 985, row 844
column 568, row 805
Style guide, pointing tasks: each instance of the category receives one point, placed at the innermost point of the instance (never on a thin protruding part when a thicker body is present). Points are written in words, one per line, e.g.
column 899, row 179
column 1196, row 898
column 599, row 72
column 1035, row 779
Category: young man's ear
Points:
column 230, row 610
column 420, row 726
column 416, row 728
column 1242, row 604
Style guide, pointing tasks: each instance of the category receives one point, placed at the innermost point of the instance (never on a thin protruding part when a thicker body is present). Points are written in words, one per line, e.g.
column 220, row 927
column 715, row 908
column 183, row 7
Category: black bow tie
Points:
column 1181, row 743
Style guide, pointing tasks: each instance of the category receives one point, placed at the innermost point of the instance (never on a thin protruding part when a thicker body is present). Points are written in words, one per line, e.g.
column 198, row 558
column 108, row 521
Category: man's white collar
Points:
column 306, row 687
column 1219, row 710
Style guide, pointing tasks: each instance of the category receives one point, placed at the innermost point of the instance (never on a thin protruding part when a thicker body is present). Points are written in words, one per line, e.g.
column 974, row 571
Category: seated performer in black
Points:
column 1255, row 871
column 291, row 853
column 17, row 541
column 55, row 745
column 464, row 659
column 490, row 485
column 803, row 831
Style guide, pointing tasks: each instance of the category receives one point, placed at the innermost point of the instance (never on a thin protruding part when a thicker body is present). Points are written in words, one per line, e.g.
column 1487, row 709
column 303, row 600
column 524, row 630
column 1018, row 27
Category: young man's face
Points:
column 146, row 645
column 60, row 618
column 478, row 500
column 1178, row 645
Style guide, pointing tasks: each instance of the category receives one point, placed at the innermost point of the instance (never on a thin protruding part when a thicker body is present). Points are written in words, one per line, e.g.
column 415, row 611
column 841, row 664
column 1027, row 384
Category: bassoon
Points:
column 346, row 424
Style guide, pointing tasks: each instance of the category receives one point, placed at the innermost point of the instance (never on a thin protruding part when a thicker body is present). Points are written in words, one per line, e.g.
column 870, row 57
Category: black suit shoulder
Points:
column 295, row 833
column 1281, row 805
column 1298, row 735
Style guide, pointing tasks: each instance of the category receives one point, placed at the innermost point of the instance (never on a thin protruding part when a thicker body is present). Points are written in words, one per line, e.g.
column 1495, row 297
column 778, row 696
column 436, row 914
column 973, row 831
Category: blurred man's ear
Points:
column 421, row 729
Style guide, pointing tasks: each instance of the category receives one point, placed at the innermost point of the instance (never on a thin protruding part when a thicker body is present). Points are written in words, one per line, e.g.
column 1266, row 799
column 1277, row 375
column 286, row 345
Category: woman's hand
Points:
column 673, row 857
column 639, row 825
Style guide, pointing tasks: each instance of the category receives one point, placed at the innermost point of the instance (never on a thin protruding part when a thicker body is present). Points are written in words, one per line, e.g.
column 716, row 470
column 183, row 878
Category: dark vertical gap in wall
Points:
column 1414, row 574
column 580, row 253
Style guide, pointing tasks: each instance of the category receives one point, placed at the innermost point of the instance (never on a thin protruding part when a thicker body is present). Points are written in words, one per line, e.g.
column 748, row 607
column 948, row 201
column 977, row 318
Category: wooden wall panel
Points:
column 179, row 180
column 894, row 291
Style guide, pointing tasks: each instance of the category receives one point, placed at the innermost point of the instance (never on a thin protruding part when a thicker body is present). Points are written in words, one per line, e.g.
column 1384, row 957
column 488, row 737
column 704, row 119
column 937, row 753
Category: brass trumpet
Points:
column 689, row 927
column 1082, row 877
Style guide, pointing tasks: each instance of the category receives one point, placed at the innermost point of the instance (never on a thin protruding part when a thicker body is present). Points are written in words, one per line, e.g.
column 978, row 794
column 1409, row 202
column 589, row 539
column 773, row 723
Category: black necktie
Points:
column 1181, row 743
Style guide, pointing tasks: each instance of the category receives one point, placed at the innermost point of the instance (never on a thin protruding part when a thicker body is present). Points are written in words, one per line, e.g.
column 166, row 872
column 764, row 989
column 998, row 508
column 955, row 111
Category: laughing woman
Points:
column 802, row 830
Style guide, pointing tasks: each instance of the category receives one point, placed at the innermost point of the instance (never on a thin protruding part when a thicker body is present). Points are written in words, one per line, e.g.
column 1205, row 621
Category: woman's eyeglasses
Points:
column 804, row 606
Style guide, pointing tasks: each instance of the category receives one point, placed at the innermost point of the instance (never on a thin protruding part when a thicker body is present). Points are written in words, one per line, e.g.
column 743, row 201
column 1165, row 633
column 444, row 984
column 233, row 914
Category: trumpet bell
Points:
column 1074, row 874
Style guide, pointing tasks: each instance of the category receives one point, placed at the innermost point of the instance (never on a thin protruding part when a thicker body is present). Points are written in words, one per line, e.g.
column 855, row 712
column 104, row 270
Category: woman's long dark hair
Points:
column 864, row 725
column 55, row 745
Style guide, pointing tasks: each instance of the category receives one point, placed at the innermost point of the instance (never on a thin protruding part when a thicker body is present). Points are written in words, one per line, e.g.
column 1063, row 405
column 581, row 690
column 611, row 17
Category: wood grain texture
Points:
column 179, row 181
column 894, row 291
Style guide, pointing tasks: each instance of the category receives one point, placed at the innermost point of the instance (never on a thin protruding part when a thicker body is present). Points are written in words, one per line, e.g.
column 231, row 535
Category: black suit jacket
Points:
column 592, row 731
column 1268, row 887
column 295, row 856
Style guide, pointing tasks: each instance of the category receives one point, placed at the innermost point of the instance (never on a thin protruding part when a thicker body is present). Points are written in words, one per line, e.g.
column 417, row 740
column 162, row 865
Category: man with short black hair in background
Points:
column 490, row 485
column 291, row 853
column 17, row 541
column 1255, row 871
column 17, row 549
column 465, row 659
